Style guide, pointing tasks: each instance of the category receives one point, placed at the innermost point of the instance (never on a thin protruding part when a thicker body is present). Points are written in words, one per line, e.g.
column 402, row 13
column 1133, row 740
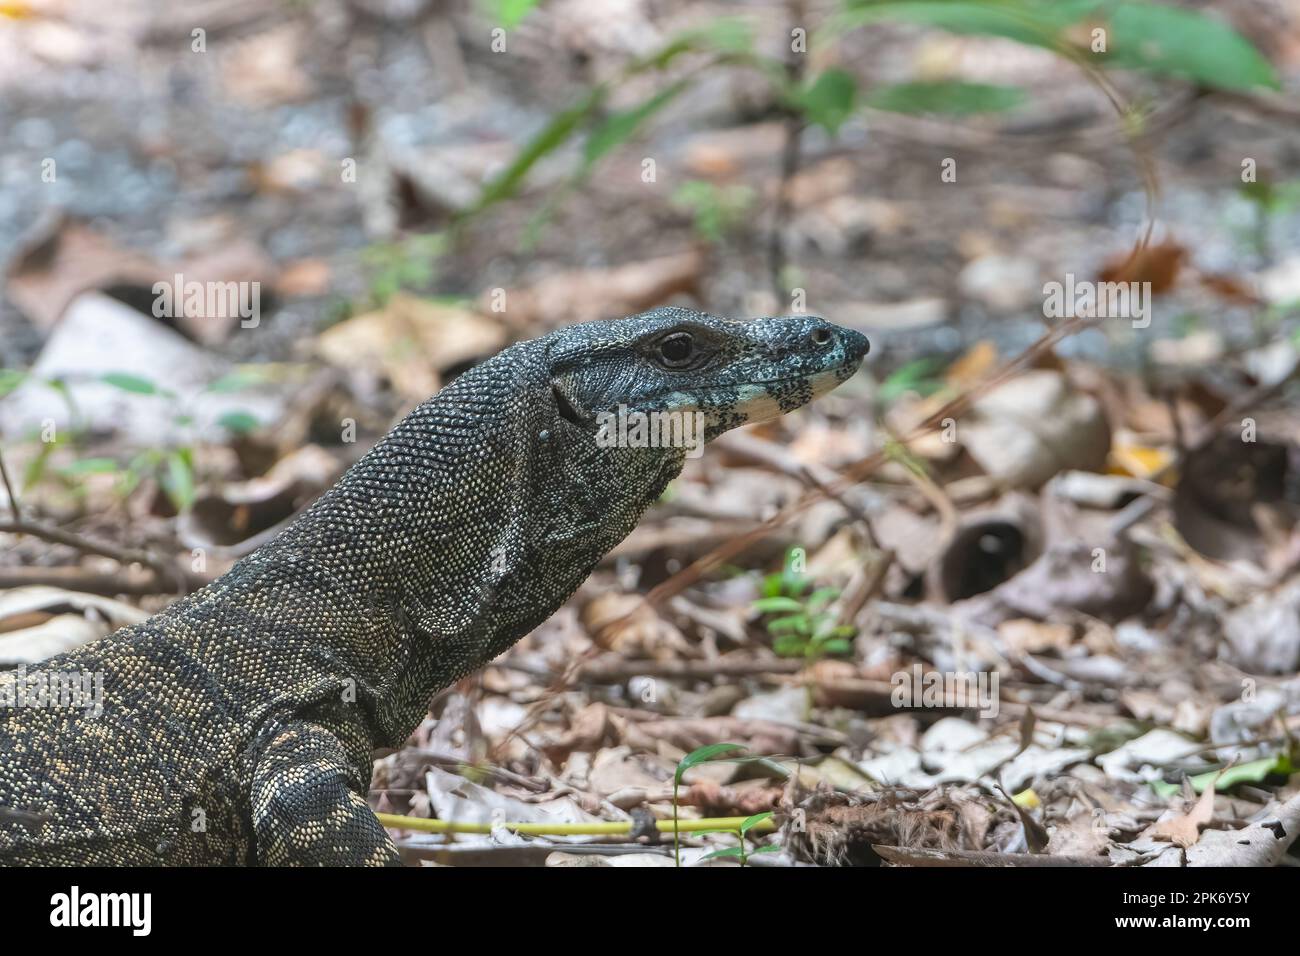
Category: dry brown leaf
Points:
column 238, row 515
column 1025, row 636
column 39, row 622
column 265, row 69
column 586, row 294
column 304, row 277
column 626, row 624
column 745, row 799
column 588, row 731
column 973, row 366
column 1081, row 836
column 690, row 733
column 410, row 341
column 66, row 258
column 1185, row 830
column 1158, row 264
column 722, row 154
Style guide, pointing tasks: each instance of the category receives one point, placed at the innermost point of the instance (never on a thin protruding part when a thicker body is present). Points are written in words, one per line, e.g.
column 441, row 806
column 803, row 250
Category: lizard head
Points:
column 706, row 374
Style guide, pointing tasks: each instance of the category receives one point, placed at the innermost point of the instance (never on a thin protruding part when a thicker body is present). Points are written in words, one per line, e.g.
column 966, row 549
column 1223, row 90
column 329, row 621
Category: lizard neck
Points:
column 465, row 528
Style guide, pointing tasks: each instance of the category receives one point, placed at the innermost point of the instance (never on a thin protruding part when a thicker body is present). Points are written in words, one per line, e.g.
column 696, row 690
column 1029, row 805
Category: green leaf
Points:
column 916, row 376
column 239, row 422
column 753, row 821
column 790, row 646
column 703, row 755
column 178, row 480
column 509, row 13
column 236, row 381
column 620, row 127
column 1182, row 42
column 1273, row 197
column 35, row 469
column 551, row 137
column 1039, row 24
column 1148, row 36
column 774, row 605
column 951, row 97
column 1253, row 771
column 836, row 645
column 715, row 209
column 130, row 383
column 766, row 848
column 10, row 379
column 731, row 851
column 90, row 466
column 822, row 597
column 725, row 34
column 828, row 102
column 791, row 621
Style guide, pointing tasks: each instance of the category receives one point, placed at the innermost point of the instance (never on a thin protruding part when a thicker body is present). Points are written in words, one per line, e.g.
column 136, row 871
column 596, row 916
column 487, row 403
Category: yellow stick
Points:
column 611, row 828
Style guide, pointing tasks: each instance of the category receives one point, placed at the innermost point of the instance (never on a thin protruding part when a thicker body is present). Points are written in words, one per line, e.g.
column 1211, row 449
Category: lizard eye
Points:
column 677, row 350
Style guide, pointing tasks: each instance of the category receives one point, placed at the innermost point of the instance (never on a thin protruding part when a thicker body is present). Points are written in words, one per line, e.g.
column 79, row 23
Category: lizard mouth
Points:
column 840, row 373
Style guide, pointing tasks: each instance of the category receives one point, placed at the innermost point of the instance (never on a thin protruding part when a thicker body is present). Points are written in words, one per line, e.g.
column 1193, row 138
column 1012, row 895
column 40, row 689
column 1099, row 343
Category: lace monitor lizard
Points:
column 238, row 724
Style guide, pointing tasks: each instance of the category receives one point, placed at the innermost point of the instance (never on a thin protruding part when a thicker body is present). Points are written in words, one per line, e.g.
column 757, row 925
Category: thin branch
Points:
column 166, row 571
column 9, row 489
column 130, row 581
column 790, row 160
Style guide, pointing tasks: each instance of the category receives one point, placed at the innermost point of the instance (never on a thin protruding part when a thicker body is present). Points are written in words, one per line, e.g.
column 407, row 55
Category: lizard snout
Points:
column 855, row 343
column 823, row 337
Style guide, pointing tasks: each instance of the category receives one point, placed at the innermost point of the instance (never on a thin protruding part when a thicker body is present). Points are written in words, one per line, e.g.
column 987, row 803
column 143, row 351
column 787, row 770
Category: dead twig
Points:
column 620, row 670
column 9, row 489
column 790, row 160
column 920, row 856
column 181, row 579
column 129, row 581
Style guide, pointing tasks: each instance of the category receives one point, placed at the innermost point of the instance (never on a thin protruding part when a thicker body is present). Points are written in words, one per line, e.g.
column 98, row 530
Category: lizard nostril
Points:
column 821, row 337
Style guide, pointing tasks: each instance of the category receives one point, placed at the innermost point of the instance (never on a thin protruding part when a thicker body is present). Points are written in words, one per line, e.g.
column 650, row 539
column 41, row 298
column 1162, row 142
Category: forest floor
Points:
column 1024, row 586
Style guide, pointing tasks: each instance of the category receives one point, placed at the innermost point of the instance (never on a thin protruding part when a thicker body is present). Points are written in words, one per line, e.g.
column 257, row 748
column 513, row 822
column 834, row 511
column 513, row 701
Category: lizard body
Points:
column 238, row 724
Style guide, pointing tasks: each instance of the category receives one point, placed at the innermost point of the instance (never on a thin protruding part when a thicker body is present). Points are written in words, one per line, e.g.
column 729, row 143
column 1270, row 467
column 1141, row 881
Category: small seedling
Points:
column 801, row 626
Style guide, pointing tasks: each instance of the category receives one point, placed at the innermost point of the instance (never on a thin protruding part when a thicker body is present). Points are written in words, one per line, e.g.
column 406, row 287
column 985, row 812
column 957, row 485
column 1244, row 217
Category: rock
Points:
column 1244, row 720
column 1263, row 637
column 99, row 336
column 1002, row 283
column 788, row 705
column 1025, row 431
column 1281, row 284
